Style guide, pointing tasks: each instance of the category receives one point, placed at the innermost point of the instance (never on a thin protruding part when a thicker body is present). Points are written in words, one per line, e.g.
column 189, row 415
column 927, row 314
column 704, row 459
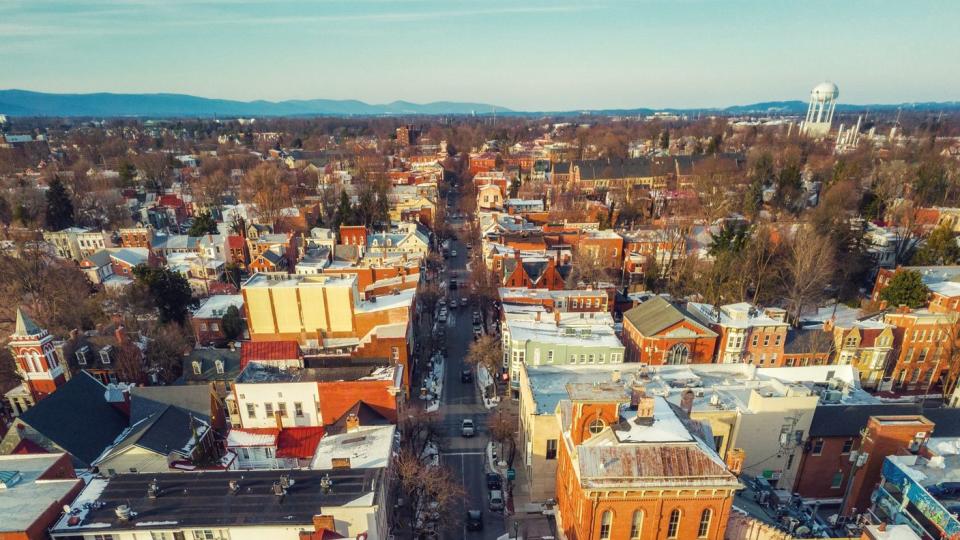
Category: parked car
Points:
column 495, row 500
column 453, row 283
column 467, row 429
column 464, row 301
column 466, row 376
column 494, row 482
column 453, row 253
column 474, row 520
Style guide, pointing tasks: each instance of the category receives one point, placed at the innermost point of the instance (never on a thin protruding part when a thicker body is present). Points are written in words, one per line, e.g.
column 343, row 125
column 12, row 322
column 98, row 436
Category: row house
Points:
column 865, row 344
column 136, row 237
column 930, row 275
column 76, row 243
column 925, row 357
column 481, row 162
column 534, row 273
column 564, row 301
column 746, row 333
column 657, row 332
column 490, row 197
column 207, row 320
column 115, row 265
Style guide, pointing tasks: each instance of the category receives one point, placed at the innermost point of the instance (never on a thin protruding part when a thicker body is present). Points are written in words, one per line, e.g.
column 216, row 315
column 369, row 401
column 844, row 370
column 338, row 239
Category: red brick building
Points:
column 619, row 478
column 353, row 235
column 539, row 273
column 482, row 162
column 925, row 349
column 656, row 333
column 37, row 363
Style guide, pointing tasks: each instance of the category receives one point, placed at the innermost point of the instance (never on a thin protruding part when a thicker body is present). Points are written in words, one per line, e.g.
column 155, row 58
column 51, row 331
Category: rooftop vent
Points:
column 234, row 487
column 123, row 512
column 153, row 489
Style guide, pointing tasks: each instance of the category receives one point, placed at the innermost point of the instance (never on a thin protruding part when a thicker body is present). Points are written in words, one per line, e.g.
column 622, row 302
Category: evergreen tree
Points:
column 906, row 288
column 939, row 248
column 59, row 206
column 232, row 323
column 203, row 223
column 170, row 291
column 344, row 214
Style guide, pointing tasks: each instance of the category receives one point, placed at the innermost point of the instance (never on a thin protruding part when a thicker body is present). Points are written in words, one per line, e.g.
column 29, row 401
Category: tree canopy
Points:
column 906, row 288
column 170, row 291
column 59, row 214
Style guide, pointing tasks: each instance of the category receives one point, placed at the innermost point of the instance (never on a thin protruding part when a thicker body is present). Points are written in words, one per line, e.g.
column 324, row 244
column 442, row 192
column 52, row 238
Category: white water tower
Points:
column 823, row 101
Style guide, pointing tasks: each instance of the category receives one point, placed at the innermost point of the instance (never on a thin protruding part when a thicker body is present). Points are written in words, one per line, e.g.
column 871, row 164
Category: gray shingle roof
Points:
column 656, row 314
column 78, row 418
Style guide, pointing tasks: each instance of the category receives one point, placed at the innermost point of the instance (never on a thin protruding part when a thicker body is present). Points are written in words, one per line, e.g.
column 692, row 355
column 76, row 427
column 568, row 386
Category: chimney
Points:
column 615, row 376
column 121, row 334
column 538, row 316
column 556, row 317
column 686, row 401
column 645, row 410
column 735, row 458
column 353, row 423
column 323, row 522
column 637, row 391
column 903, row 309
column 828, row 325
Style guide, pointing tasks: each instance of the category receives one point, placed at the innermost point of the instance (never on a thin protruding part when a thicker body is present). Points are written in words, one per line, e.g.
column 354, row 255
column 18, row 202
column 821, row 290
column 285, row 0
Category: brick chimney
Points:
column 321, row 522
column 353, row 423
column 645, row 409
column 556, row 317
column 637, row 392
column 120, row 334
column 903, row 309
column 686, row 401
column 735, row 459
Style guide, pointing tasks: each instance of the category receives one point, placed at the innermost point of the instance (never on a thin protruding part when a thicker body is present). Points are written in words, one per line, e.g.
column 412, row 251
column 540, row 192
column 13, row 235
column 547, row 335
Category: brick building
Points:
column 925, row 352
column 657, row 332
column 636, row 467
column 746, row 333
column 35, row 489
column 36, row 363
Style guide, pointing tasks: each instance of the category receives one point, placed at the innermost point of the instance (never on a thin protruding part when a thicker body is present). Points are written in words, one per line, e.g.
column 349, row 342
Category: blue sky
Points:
column 521, row 54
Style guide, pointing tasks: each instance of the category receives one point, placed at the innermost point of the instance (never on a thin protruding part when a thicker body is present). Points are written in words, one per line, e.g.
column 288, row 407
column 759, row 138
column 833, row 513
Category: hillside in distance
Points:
column 28, row 103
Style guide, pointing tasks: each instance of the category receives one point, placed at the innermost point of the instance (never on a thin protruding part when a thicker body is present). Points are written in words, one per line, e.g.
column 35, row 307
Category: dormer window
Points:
column 105, row 355
column 196, row 367
column 82, row 355
column 219, row 365
column 596, row 426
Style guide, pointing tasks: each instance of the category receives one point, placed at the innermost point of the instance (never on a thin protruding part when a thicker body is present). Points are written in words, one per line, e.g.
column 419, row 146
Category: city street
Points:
column 465, row 456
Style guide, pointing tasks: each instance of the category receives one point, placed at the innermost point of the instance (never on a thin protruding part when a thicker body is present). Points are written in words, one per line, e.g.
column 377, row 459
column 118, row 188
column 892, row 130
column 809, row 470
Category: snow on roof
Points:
column 24, row 500
column 666, row 427
column 216, row 305
column 596, row 335
column 252, row 437
column 83, row 503
column 368, row 447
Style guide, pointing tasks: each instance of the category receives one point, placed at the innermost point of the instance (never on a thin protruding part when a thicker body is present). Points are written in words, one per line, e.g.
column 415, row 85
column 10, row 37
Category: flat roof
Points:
column 368, row 447
column 216, row 305
column 204, row 499
column 352, row 370
column 25, row 500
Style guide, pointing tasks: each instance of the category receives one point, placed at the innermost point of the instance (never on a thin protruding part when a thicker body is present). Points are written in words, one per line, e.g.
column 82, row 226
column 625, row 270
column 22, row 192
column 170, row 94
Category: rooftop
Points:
column 337, row 371
column 368, row 447
column 216, row 305
column 24, row 501
column 205, row 499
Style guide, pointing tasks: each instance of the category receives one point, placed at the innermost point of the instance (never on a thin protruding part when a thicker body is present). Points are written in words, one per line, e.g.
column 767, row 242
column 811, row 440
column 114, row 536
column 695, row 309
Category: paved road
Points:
column 465, row 456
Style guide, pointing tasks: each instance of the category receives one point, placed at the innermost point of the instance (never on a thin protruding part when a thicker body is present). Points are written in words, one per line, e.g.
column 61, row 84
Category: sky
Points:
column 519, row 54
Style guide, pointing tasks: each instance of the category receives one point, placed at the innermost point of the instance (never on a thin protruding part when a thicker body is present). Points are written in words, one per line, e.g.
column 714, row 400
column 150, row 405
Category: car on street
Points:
column 453, row 284
column 495, row 500
column 464, row 301
column 467, row 428
column 474, row 520
column 466, row 376
column 494, row 482
column 453, row 253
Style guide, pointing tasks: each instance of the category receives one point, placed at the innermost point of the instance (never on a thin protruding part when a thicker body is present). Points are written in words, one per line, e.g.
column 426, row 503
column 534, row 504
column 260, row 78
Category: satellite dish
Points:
column 66, row 509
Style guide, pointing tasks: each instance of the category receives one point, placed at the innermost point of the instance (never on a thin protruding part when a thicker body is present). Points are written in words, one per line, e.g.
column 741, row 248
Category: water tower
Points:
column 823, row 101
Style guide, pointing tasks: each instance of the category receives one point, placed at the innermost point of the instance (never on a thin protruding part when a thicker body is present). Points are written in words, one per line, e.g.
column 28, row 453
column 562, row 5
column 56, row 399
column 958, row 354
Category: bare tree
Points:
column 487, row 352
column 587, row 267
column 431, row 492
column 503, row 429
column 807, row 269
column 265, row 187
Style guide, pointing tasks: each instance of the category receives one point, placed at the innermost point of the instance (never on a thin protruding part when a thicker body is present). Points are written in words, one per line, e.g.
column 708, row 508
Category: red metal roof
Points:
column 265, row 351
column 299, row 442
column 170, row 200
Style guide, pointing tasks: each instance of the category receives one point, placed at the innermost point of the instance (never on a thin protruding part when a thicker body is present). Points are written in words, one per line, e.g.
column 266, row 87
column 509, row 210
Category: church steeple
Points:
column 37, row 363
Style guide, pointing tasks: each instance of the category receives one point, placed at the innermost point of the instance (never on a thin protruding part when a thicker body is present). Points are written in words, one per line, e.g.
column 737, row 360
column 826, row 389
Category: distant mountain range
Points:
column 27, row 103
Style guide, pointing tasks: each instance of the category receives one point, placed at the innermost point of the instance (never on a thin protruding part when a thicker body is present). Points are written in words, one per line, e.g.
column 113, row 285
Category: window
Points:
column 678, row 354
column 550, row 357
column 395, row 353
column 923, row 355
column 245, row 453
column 214, row 327
column 789, row 461
column 203, row 327
column 573, row 359
column 196, row 367
column 817, row 447
column 583, row 359
column 592, row 359
column 282, row 407
column 756, row 339
column 847, row 446
column 596, row 426
column 837, row 480
column 133, row 470
column 777, row 342
column 614, row 358
column 298, row 409
column 551, row 449
column 103, row 537
column 704, row 523
column 673, row 526
column 606, row 520
column 219, row 365
column 251, row 411
column 268, row 452
column 268, row 409
column 636, row 524
column 766, row 340
column 81, row 356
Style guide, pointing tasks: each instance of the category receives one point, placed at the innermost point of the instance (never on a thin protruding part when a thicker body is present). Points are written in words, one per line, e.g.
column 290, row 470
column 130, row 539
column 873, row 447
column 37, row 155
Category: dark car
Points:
column 474, row 520
column 453, row 284
column 494, row 482
column 466, row 376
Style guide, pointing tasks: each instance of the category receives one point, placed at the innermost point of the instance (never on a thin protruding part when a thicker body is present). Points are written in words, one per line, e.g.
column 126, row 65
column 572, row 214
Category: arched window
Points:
column 636, row 525
column 673, row 526
column 704, row 523
column 678, row 354
column 596, row 426
column 34, row 358
column 606, row 521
